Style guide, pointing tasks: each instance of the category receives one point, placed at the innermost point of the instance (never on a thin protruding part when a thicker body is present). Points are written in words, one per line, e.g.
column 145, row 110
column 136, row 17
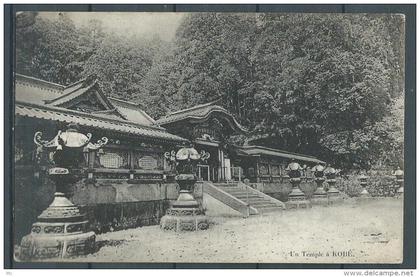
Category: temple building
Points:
column 128, row 183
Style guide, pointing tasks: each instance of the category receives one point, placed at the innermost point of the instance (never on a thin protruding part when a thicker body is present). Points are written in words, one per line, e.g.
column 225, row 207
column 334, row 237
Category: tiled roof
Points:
column 36, row 91
column 70, row 93
column 132, row 111
column 198, row 112
column 255, row 150
column 96, row 121
column 33, row 90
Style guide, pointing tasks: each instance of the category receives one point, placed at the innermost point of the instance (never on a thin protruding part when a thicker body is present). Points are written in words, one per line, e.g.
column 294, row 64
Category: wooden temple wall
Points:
column 113, row 198
column 269, row 176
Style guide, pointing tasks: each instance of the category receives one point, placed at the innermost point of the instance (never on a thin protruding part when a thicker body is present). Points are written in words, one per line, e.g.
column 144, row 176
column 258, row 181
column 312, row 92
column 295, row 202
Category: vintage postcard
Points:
column 208, row 137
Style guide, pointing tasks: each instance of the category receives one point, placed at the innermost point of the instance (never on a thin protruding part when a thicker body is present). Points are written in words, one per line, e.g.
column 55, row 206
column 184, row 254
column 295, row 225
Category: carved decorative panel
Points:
column 205, row 132
column 275, row 170
column 263, row 169
column 111, row 160
column 148, row 161
column 114, row 159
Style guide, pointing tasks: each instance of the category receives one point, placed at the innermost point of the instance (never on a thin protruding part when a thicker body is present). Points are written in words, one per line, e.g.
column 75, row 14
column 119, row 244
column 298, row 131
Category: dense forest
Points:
column 330, row 86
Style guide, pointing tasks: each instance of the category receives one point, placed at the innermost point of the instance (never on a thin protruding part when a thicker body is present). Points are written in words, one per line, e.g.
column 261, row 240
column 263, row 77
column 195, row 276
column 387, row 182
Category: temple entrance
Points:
column 203, row 172
column 219, row 167
column 206, row 171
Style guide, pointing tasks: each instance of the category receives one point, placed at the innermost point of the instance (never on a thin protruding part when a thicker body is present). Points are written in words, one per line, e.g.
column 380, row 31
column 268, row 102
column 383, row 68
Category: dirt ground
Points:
column 362, row 231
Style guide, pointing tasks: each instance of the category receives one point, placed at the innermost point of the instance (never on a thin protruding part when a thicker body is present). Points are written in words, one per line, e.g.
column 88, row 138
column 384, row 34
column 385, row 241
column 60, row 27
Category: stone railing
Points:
column 229, row 200
column 261, row 194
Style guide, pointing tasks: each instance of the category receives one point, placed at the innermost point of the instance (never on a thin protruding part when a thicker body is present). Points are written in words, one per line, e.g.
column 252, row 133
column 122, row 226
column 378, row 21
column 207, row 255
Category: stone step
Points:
column 234, row 189
column 244, row 195
column 255, row 200
column 262, row 205
column 269, row 209
column 229, row 188
column 226, row 185
column 250, row 197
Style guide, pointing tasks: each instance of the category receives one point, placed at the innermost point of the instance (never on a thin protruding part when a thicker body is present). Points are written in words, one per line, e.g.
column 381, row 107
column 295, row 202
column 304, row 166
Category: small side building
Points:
column 209, row 126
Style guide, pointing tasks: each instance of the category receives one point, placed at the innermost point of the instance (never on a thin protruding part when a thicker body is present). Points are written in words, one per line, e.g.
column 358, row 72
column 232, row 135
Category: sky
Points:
column 129, row 23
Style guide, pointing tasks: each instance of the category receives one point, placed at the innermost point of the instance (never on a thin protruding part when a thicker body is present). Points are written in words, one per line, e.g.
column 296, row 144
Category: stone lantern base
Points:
column 400, row 190
column 297, row 199
column 364, row 193
column 320, row 197
column 364, row 196
column 184, row 215
column 60, row 232
column 334, row 195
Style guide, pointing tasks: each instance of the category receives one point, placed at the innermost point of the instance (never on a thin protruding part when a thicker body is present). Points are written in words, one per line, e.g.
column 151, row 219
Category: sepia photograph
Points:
column 208, row 137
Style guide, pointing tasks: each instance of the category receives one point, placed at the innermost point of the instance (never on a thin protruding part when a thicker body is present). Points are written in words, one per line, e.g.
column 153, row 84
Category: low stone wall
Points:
column 108, row 217
column 281, row 190
column 378, row 186
column 109, row 204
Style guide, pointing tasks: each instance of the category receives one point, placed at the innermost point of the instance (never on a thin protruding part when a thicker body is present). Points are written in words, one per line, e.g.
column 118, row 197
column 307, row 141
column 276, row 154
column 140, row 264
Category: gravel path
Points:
column 368, row 231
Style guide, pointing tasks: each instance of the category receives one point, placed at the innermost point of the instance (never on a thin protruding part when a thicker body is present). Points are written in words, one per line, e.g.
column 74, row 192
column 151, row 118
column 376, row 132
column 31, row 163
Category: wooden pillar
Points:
column 91, row 159
column 221, row 164
column 257, row 170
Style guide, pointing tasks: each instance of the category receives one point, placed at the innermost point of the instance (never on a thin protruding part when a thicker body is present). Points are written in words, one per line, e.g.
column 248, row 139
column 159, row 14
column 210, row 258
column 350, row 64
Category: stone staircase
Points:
column 243, row 198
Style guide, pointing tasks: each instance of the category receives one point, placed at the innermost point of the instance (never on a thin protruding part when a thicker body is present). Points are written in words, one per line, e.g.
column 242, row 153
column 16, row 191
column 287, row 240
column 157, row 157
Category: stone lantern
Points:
column 185, row 213
column 61, row 230
column 320, row 195
column 364, row 182
column 331, row 174
column 399, row 175
column 297, row 198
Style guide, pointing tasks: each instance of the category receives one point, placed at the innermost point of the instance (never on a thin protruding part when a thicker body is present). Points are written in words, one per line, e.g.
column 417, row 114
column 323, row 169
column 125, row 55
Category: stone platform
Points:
column 184, row 215
column 38, row 246
column 321, row 200
column 61, row 231
column 297, row 200
column 335, row 197
column 184, row 219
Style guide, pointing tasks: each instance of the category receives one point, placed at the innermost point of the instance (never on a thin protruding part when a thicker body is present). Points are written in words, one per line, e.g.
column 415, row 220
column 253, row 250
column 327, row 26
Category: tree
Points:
column 302, row 82
column 46, row 50
column 309, row 83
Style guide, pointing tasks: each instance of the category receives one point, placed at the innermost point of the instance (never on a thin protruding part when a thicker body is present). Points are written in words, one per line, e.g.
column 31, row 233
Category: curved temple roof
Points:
column 93, row 120
column 201, row 112
column 255, row 150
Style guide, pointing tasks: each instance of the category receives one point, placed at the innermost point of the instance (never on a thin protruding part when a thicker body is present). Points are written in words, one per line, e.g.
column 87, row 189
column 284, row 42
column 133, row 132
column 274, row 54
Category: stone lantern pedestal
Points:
column 333, row 193
column 363, row 182
column 400, row 190
column 399, row 175
column 185, row 213
column 61, row 230
column 297, row 199
column 320, row 196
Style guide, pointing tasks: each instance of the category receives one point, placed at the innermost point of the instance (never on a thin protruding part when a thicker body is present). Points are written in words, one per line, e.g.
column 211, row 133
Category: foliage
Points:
column 47, row 50
column 306, row 83
column 330, row 86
